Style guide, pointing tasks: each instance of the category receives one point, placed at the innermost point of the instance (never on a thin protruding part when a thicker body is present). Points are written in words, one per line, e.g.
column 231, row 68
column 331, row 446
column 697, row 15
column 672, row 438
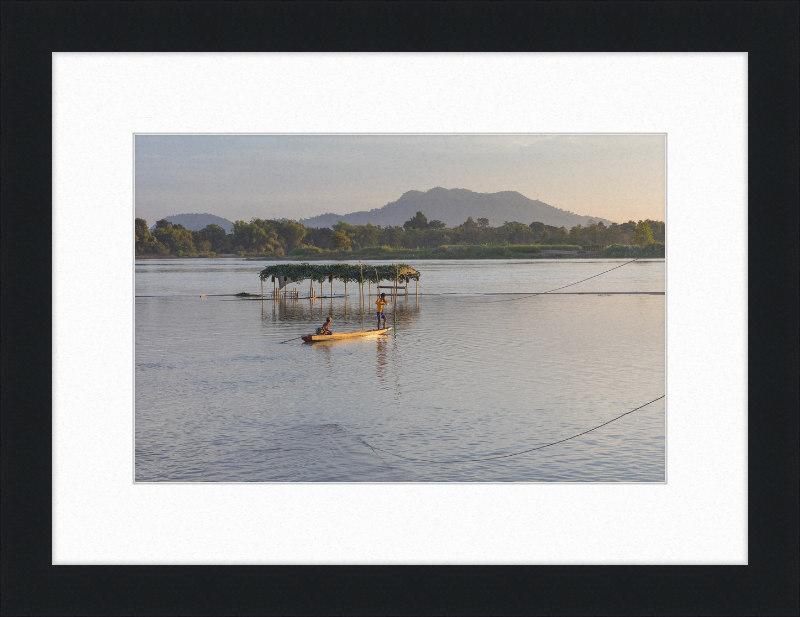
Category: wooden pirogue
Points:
column 314, row 338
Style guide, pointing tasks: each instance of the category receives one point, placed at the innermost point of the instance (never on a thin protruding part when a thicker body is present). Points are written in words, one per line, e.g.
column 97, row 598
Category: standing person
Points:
column 381, row 302
column 325, row 328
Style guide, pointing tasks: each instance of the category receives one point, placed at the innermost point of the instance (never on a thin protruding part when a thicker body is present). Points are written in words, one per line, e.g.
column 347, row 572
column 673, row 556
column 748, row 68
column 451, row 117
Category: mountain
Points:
column 195, row 222
column 453, row 206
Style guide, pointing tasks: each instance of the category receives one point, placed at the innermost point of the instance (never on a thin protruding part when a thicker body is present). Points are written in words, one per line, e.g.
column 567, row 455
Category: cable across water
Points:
column 492, row 458
column 541, row 293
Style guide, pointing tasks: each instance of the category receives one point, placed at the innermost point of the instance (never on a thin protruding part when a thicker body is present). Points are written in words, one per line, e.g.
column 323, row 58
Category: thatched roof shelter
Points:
column 348, row 273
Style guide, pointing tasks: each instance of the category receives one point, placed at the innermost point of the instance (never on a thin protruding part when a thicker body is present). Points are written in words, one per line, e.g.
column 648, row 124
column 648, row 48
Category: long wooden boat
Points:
column 314, row 338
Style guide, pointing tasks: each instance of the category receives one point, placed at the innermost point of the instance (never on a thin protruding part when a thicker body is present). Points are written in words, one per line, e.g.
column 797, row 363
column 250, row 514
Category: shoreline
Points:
column 390, row 256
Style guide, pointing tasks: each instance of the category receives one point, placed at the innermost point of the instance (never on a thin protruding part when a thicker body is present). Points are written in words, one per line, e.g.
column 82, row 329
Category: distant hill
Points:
column 195, row 222
column 453, row 206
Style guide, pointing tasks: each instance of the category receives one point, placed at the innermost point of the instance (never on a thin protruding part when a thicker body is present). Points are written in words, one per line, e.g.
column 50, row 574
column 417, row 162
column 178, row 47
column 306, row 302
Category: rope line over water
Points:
column 541, row 293
column 492, row 458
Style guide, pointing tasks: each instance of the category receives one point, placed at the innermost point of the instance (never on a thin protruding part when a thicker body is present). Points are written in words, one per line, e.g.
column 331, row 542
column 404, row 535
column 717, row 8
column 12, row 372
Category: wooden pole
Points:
column 361, row 292
column 394, row 308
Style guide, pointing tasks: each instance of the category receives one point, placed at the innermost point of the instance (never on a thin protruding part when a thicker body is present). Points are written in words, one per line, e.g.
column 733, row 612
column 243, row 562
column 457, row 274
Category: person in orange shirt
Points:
column 381, row 302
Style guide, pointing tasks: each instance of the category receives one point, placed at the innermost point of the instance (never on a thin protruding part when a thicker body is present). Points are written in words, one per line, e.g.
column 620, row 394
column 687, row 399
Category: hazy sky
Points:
column 617, row 177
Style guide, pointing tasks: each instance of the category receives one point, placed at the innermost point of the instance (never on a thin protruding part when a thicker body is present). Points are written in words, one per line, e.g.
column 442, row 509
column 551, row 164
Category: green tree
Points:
column 642, row 234
column 182, row 241
column 351, row 231
column 483, row 223
column 392, row 235
column 602, row 234
column 141, row 230
column 291, row 232
column 659, row 234
column 164, row 238
column 615, row 234
column 258, row 235
column 593, row 232
column 173, row 239
column 241, row 235
column 575, row 235
column 468, row 230
column 515, row 232
column 144, row 242
column 216, row 236
column 368, row 235
column 437, row 237
column 436, row 224
column 319, row 237
column 344, row 228
column 538, row 228
column 339, row 241
column 418, row 221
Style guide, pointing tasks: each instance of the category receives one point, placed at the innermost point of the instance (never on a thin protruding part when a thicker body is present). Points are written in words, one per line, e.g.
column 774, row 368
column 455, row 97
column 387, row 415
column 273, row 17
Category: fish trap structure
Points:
column 281, row 275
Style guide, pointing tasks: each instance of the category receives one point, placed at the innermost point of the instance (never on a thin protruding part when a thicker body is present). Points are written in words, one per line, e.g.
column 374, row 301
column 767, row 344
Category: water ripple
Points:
column 217, row 399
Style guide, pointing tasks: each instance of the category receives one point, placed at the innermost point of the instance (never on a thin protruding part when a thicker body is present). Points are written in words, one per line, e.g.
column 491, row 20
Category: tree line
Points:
column 281, row 237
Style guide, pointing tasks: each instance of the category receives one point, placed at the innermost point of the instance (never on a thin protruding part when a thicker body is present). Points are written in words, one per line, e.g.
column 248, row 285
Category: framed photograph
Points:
column 152, row 500
column 308, row 379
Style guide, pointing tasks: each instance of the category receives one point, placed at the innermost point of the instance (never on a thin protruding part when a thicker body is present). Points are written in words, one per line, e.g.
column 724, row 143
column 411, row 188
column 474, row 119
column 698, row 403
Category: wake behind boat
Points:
column 314, row 338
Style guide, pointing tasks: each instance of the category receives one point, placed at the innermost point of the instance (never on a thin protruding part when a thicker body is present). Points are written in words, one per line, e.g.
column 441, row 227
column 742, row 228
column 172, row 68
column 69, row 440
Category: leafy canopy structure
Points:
column 347, row 273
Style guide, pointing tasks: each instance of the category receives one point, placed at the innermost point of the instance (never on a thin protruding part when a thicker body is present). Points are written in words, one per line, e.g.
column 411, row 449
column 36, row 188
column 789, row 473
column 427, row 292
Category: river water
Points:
column 473, row 369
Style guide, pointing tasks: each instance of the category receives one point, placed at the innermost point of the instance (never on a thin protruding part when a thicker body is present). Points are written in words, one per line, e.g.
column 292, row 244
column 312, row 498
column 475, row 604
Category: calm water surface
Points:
column 472, row 369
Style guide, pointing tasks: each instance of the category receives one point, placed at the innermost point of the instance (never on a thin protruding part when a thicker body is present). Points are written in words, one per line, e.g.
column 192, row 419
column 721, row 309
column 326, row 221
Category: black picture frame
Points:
column 767, row 31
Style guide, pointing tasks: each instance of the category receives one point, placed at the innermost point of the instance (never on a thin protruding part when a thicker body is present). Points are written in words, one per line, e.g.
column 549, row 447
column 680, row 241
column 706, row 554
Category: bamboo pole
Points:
column 361, row 293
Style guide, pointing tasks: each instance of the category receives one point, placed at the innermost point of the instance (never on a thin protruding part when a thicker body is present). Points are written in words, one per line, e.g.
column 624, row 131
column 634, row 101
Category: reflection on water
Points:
column 381, row 362
column 463, row 374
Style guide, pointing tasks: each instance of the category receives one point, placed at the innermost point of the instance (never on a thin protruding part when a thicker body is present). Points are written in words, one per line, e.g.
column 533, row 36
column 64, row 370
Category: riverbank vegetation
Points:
column 417, row 238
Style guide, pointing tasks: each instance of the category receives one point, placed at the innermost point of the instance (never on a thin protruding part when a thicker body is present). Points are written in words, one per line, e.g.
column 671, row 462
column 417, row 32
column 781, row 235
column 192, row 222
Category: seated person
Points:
column 325, row 328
